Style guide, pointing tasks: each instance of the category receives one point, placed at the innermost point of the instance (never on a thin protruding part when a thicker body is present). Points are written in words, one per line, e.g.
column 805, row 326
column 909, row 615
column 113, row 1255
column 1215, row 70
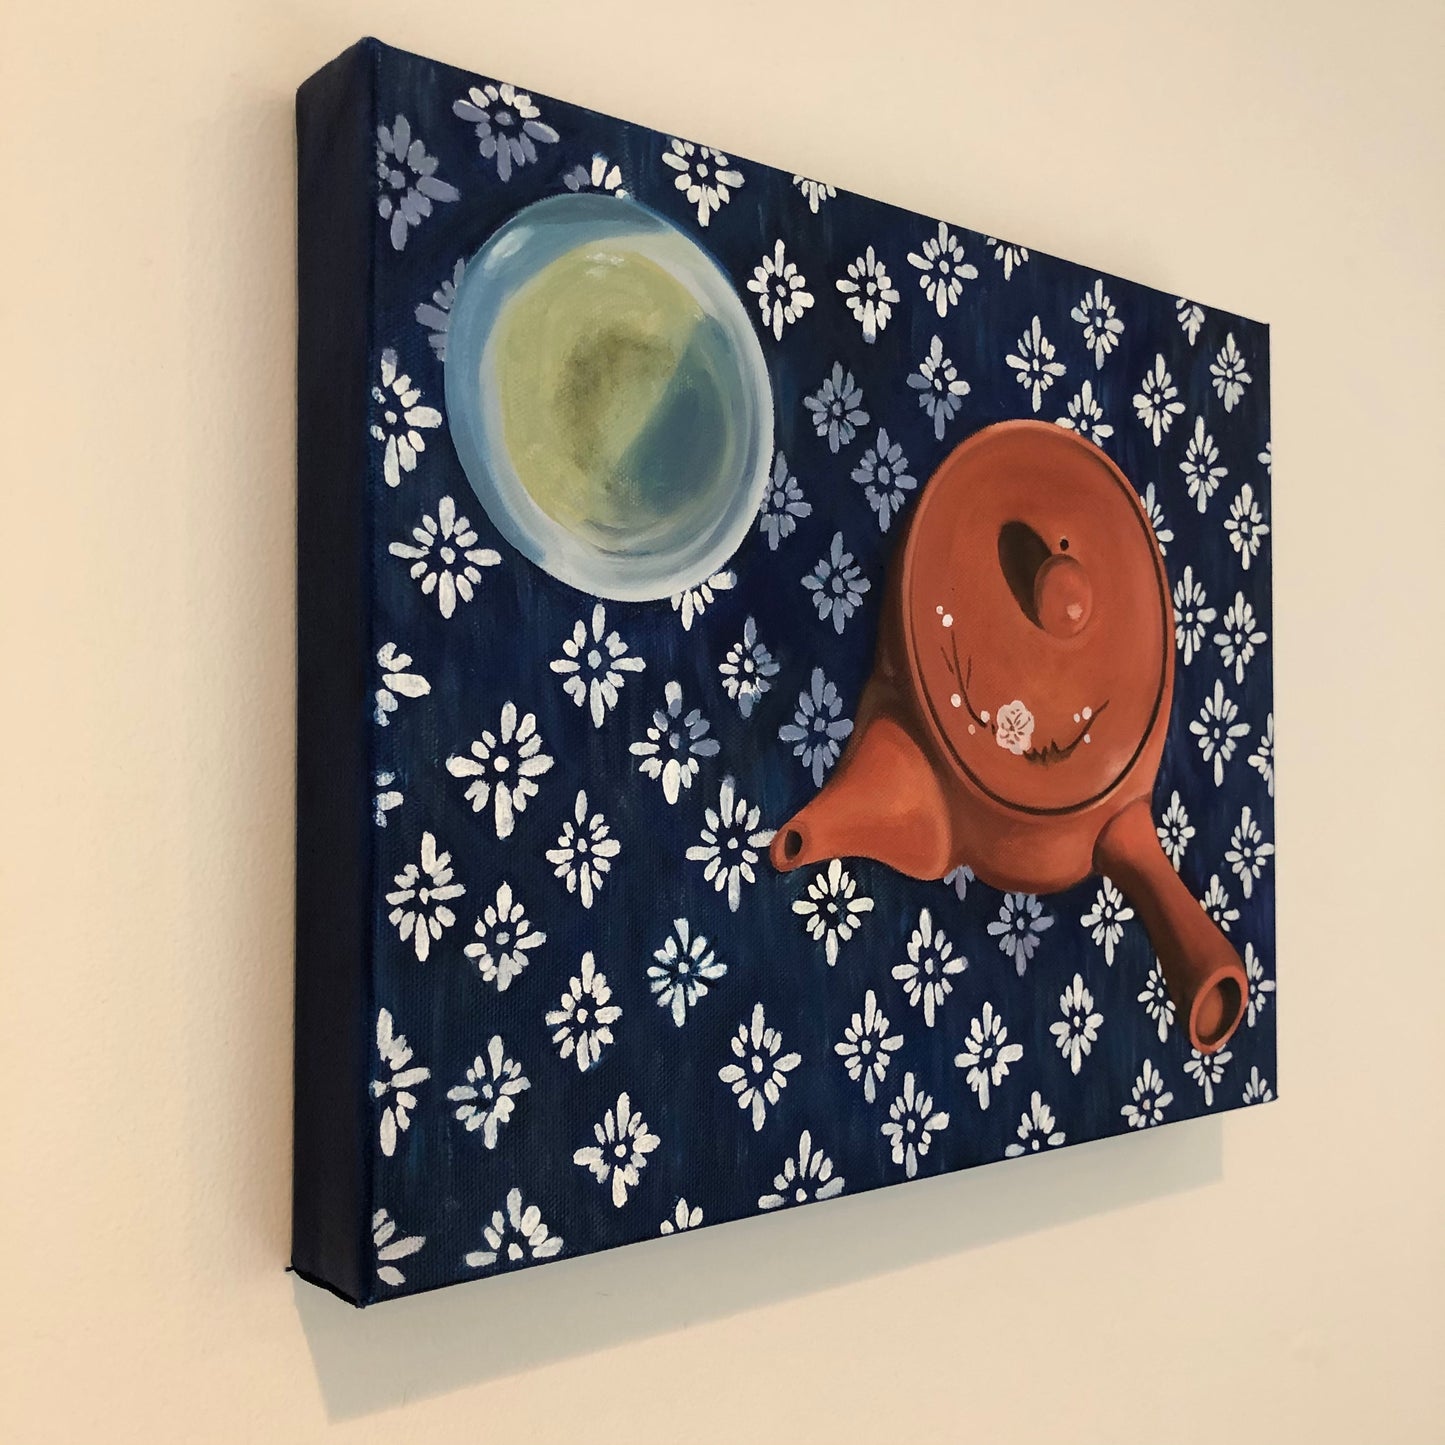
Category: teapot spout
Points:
column 883, row 802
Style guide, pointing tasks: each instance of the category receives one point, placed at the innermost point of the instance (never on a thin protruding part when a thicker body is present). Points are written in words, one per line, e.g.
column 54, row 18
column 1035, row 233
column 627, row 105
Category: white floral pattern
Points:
column 912, row 1123
column 1239, row 637
column 582, row 1022
column 692, row 602
column 1260, row 987
column 1207, row 1070
column 1086, row 416
column 867, row 1048
column 396, row 681
column 832, row 908
column 1037, row 1129
column 620, row 1155
column 444, row 556
column 1105, row 920
column 503, row 768
column 1230, row 376
column 1218, row 731
column 683, row 1218
column 682, row 970
column 1078, row 1031
column 941, row 389
column 1009, row 256
column 746, row 669
column 731, row 842
column 1262, row 758
column 931, row 963
column 760, row 1071
column 1175, row 830
column 1192, row 615
column 1245, row 526
column 781, row 289
column 1157, row 400
column 505, row 936
column 1201, row 474
column 389, row 1248
column 987, row 1055
column 1190, row 317
column 398, row 1084
column 400, row 420
column 675, row 741
column 868, row 292
column 594, row 665
column 1033, row 360
column 419, row 898
column 803, row 1179
column 1148, row 1098
column 514, row 1235
column 814, row 192
column 944, row 270
column 1157, row 1003
column 707, row 178
column 487, row 1098
column 1248, row 852
column 585, row 848
column 600, row 174
column 1102, row 328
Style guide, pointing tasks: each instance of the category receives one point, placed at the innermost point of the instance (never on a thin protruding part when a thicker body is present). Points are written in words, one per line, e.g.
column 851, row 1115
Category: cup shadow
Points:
column 431, row 1344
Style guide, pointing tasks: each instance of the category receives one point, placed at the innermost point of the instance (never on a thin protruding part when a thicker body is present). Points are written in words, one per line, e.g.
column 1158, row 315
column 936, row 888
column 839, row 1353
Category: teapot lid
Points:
column 1037, row 616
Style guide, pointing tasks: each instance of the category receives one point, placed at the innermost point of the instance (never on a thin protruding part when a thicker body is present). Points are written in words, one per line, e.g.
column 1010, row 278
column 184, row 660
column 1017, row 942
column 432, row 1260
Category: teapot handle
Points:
column 1203, row 972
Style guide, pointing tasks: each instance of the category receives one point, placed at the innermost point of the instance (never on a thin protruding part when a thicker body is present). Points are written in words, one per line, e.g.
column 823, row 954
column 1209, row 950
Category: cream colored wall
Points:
column 1274, row 1277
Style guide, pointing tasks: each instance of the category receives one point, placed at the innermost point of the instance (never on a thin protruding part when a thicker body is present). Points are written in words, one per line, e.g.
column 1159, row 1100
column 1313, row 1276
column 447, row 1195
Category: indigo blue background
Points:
column 441, row 1183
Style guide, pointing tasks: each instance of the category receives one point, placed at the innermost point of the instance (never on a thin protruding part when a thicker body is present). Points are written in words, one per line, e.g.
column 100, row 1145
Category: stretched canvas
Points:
column 785, row 689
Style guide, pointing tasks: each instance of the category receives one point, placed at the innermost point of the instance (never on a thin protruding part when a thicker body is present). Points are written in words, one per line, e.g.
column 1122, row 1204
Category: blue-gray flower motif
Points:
column 837, row 584
column 783, row 505
column 746, row 669
column 883, row 475
column 508, row 125
column 436, row 314
column 941, row 389
column 1020, row 922
column 837, row 408
column 818, row 728
column 407, row 180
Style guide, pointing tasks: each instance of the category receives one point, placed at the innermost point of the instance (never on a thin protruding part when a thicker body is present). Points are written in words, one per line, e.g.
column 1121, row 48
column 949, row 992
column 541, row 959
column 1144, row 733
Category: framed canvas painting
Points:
column 785, row 689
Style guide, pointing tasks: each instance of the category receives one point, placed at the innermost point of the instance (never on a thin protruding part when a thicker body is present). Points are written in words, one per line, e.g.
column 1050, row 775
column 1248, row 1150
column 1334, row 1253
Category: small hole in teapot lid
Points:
column 1063, row 544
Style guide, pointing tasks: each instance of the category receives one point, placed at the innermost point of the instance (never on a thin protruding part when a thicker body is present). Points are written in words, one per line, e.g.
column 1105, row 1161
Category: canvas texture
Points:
column 575, row 1047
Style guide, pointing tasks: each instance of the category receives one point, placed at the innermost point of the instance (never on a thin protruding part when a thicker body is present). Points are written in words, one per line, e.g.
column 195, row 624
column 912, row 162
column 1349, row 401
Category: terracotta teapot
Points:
column 1016, row 715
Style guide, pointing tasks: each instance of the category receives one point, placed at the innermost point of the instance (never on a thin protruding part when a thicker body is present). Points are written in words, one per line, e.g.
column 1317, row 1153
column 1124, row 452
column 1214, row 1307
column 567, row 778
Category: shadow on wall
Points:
column 379, row 1358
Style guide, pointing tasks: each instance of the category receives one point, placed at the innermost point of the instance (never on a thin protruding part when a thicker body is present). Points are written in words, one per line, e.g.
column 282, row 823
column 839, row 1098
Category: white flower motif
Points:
column 620, row 1155
column 943, row 269
column 407, row 182
column 1241, row 635
column 1230, row 377
column 1021, row 922
column 837, row 408
column 1157, row 400
column 869, row 294
column 1076, row 1034
column 1262, row 758
column 505, row 937
column 1102, row 329
column 1106, row 919
column 1216, row 904
column 683, row 1218
column 1190, row 317
column 1008, row 256
column 746, row 668
column 883, row 475
column 705, row 176
column 419, row 898
column 385, row 799
column 1207, row 1070
column 1246, row 526
column 1034, row 362
column 400, row 420
column 803, row 1179
column 912, row 1123
column 507, row 125
column 941, row 389
column 1248, row 852
column 1149, row 1098
column 445, row 557
column 389, row 1248
column 1162, row 534
column 814, row 192
column 1086, row 416
column 1257, row 1090
column 685, row 966
column 781, row 290
column 931, row 963
column 958, row 879
column 514, row 1237
column 692, row 602
column 584, row 852
column 1200, row 473
column 1157, row 1003
column 1036, row 1129
column 582, row 1021
column 396, row 1088
column 1266, row 457
column 1191, row 615
column 1260, row 987
column 987, row 1054
column 1217, row 731
column 396, row 681
column 594, row 665
column 731, row 840
column 673, row 745
column 837, row 584
column 1014, row 728
column 436, row 314
column 601, row 175
column 832, row 909
column 488, row 1098
column 1175, row 830
column 503, row 767
column 783, row 505
column 867, row 1048
column 817, row 729
column 761, row 1073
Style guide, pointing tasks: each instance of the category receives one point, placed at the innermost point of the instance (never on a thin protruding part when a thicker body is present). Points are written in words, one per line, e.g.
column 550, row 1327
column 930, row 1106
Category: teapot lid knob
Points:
column 1063, row 598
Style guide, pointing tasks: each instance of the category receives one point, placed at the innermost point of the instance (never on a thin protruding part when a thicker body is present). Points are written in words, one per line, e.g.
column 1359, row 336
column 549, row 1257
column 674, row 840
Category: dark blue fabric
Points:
column 441, row 1183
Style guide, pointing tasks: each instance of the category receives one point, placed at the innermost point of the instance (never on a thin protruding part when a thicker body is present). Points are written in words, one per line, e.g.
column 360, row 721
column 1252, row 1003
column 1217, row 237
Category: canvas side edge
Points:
column 331, row 1169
